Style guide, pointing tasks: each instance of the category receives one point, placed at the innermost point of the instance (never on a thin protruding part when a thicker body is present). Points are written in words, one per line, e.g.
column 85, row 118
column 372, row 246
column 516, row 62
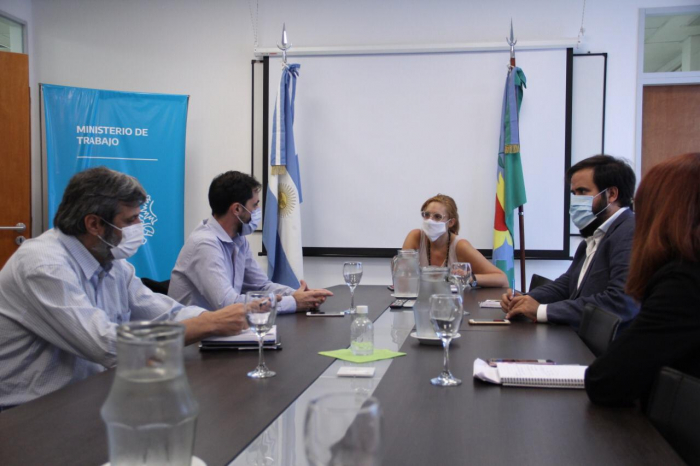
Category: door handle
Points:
column 20, row 227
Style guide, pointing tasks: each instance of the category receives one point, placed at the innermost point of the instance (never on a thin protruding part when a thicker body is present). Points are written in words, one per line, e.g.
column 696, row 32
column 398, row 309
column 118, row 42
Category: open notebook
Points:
column 531, row 375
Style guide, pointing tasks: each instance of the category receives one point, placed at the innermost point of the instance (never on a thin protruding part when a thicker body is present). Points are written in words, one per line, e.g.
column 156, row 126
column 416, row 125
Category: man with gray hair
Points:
column 63, row 294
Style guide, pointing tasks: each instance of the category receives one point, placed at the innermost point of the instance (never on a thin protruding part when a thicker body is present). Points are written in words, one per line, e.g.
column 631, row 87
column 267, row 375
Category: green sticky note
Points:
column 346, row 355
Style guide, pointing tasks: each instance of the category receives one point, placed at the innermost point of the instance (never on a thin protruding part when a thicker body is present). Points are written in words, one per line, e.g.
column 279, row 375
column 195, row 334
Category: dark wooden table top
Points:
column 481, row 423
column 65, row 427
column 475, row 423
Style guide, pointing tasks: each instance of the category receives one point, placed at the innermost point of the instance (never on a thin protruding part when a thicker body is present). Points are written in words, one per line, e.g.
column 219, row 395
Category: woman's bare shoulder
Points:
column 464, row 244
column 412, row 241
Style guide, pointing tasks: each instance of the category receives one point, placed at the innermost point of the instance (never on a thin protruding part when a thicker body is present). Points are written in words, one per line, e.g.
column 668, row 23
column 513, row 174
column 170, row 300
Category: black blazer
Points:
column 666, row 333
column 604, row 282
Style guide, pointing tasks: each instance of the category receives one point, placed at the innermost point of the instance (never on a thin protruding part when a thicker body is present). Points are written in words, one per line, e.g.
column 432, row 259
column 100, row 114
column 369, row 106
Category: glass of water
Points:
column 260, row 312
column 446, row 317
column 352, row 272
column 343, row 429
column 461, row 276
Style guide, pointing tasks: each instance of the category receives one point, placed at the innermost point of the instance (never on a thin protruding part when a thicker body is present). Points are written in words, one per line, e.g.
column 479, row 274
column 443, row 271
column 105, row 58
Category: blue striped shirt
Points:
column 213, row 271
column 59, row 310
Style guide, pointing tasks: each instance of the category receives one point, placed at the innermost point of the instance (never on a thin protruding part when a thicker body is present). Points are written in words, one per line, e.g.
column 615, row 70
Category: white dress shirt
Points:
column 213, row 271
column 592, row 243
column 59, row 311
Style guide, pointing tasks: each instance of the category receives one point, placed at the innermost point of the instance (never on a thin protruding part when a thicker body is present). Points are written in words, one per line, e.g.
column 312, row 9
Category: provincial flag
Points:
column 510, row 190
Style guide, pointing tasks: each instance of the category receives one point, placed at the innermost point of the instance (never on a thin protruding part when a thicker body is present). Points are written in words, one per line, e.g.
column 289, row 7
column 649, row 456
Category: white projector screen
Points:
column 378, row 134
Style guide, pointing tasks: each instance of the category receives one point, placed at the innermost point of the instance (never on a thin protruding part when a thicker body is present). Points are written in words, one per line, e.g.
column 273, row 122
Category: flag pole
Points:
column 285, row 44
column 521, row 213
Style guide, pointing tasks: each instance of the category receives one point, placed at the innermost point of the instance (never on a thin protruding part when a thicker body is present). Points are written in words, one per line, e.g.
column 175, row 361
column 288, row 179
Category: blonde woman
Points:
column 438, row 243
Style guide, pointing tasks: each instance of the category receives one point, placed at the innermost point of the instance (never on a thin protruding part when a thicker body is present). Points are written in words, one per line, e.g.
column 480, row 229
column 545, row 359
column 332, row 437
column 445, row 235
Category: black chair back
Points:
column 598, row 328
column 674, row 409
column 156, row 287
column 538, row 280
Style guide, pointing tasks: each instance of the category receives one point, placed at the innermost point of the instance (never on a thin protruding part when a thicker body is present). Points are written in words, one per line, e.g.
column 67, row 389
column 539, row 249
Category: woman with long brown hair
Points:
column 438, row 243
column 665, row 277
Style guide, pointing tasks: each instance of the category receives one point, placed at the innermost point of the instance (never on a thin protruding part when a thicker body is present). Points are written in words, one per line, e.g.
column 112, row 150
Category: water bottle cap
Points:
column 361, row 310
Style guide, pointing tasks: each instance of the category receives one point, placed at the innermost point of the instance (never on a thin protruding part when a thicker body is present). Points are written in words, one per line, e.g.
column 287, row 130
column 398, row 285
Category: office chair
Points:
column 156, row 287
column 538, row 280
column 598, row 328
column 674, row 409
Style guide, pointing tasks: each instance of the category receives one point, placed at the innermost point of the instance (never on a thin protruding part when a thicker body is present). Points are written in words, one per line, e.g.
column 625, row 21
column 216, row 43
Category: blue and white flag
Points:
column 142, row 135
column 282, row 222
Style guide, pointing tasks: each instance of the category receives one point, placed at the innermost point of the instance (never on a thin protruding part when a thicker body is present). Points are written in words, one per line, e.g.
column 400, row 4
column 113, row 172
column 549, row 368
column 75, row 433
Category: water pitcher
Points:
column 150, row 411
column 433, row 280
column 405, row 273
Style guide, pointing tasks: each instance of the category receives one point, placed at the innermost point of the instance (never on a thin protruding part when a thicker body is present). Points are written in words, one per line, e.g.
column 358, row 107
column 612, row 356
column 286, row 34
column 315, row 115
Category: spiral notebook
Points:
column 531, row 375
column 541, row 375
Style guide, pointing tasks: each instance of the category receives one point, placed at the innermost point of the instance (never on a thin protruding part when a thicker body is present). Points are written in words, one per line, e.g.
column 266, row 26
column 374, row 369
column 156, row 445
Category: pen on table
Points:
column 548, row 362
column 255, row 348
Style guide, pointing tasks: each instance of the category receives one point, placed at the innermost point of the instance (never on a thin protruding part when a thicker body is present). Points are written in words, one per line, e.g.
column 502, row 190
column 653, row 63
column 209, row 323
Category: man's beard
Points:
column 102, row 249
column 588, row 231
column 239, row 230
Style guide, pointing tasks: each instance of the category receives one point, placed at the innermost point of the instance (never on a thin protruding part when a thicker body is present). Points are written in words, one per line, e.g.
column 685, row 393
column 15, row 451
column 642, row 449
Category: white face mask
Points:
column 253, row 224
column 434, row 229
column 132, row 239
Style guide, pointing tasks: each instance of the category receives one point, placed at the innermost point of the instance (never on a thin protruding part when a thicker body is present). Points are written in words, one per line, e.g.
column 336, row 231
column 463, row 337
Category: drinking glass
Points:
column 352, row 272
column 446, row 317
column 461, row 276
column 260, row 312
column 343, row 429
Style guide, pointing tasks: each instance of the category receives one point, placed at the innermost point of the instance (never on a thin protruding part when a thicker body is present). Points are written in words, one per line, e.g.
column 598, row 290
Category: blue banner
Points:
column 140, row 134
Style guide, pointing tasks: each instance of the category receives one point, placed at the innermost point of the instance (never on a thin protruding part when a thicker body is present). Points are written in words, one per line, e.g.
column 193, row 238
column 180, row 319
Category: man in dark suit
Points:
column 602, row 189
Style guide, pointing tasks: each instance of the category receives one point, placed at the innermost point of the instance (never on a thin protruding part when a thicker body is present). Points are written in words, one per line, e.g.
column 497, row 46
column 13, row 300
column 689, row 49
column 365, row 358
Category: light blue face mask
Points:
column 581, row 210
column 252, row 225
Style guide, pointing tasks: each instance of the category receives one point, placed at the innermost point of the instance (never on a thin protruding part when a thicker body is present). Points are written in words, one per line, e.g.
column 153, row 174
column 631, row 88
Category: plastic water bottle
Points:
column 362, row 333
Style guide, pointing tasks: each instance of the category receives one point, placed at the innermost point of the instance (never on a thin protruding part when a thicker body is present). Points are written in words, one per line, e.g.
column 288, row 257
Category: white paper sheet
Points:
column 247, row 337
column 483, row 371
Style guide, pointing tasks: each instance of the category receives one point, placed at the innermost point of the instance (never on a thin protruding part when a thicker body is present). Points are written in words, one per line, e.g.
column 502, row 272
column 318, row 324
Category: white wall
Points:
column 204, row 48
column 182, row 47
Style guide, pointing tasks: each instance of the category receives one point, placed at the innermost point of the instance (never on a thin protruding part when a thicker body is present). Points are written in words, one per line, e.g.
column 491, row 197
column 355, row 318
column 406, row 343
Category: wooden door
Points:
column 15, row 162
column 670, row 123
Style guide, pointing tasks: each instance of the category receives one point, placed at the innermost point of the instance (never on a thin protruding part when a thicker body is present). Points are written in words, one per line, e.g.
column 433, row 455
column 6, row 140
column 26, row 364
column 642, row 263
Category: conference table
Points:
column 246, row 421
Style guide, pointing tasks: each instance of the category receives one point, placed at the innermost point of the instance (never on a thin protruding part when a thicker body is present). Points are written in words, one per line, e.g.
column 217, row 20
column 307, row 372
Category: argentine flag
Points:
column 282, row 225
